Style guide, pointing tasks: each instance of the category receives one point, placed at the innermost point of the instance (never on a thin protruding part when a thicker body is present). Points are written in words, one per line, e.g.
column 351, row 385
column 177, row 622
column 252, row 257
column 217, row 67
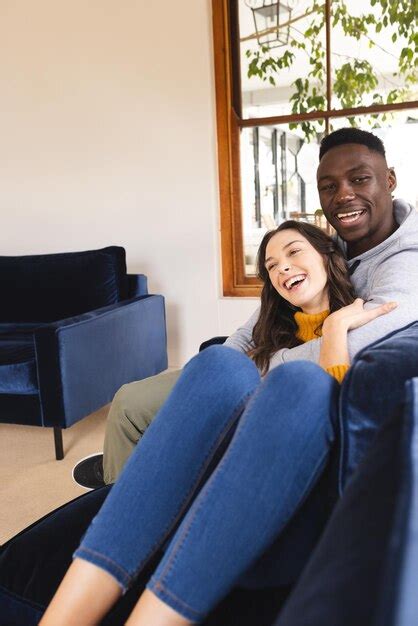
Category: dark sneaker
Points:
column 89, row 472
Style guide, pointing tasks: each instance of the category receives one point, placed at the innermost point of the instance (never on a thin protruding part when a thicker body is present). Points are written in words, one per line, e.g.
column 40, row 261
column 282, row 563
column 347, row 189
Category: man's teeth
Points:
column 295, row 279
column 349, row 217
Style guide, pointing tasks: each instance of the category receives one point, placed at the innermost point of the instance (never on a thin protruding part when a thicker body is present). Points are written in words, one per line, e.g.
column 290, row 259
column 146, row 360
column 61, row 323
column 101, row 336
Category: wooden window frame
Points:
column 229, row 125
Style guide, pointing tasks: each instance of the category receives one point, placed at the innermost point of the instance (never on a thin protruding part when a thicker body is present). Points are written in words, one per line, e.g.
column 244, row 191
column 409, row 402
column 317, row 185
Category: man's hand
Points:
column 355, row 315
column 334, row 347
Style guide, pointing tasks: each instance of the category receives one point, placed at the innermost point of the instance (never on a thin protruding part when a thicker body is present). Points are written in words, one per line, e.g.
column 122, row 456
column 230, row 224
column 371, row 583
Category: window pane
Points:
column 283, row 69
column 269, row 90
column 278, row 168
column 372, row 59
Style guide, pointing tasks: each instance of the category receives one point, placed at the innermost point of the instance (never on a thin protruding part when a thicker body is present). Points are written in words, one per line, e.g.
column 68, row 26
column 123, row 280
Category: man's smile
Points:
column 351, row 218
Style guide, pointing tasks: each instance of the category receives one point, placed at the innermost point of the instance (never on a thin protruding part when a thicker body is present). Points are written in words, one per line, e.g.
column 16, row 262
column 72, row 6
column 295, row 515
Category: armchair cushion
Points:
column 17, row 367
column 50, row 287
column 17, row 359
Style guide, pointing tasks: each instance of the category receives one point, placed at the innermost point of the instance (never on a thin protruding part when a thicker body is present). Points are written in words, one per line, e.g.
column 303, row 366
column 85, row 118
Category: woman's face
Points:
column 297, row 271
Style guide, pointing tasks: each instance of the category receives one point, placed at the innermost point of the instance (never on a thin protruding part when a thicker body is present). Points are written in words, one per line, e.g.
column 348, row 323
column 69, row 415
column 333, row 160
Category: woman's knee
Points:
column 228, row 366
column 299, row 398
column 222, row 356
column 301, row 377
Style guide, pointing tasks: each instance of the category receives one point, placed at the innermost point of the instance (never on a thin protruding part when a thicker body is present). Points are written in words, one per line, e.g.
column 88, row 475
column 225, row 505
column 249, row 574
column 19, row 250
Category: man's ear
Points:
column 392, row 179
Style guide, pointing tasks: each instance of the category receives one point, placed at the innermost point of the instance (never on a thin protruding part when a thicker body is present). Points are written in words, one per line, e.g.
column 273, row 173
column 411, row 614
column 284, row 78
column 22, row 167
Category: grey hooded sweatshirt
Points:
column 387, row 272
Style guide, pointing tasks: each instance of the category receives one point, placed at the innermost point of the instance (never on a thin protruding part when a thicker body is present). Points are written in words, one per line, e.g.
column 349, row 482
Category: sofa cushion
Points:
column 364, row 570
column 50, row 287
column 18, row 611
column 33, row 562
column 17, row 359
column 372, row 391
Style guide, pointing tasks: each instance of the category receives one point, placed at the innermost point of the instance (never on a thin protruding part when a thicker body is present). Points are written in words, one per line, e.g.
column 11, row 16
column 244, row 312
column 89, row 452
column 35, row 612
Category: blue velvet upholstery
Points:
column 137, row 285
column 49, row 287
column 17, row 359
column 364, row 570
column 20, row 409
column 17, row 611
column 82, row 328
column 83, row 361
column 385, row 365
column 212, row 342
column 33, row 563
column 401, row 574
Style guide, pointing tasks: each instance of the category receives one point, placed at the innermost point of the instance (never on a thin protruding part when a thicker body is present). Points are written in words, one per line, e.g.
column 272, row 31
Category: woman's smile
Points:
column 297, row 271
column 291, row 284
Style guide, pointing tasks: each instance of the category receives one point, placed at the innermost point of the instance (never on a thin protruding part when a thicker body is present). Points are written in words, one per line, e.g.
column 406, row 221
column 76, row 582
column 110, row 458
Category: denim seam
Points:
column 206, row 461
column 125, row 574
column 158, row 586
column 307, row 488
column 180, row 541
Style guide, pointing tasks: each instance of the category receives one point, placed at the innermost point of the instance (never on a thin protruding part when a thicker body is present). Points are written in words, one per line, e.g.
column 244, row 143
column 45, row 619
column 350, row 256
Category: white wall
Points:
column 108, row 136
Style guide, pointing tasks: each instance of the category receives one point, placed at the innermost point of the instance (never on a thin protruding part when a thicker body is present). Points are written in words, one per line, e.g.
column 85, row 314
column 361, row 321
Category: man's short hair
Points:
column 351, row 135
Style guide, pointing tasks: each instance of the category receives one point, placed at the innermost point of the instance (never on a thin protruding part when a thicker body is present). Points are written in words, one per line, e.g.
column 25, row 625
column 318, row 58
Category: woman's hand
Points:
column 355, row 315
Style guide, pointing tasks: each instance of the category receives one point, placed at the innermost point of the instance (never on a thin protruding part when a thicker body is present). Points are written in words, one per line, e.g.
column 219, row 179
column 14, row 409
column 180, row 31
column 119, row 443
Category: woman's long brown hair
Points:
column 276, row 327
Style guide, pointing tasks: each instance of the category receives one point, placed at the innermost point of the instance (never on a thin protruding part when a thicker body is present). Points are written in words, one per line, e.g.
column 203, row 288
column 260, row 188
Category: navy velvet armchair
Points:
column 74, row 327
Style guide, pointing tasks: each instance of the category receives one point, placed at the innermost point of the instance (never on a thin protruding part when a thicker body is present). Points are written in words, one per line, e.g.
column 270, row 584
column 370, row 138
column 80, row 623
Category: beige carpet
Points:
column 32, row 482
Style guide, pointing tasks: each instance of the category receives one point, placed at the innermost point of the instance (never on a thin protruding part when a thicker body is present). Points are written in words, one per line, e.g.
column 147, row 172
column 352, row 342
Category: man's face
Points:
column 355, row 186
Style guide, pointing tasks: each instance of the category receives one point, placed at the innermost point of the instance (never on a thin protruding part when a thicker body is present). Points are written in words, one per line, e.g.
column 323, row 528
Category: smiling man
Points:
column 355, row 186
column 380, row 238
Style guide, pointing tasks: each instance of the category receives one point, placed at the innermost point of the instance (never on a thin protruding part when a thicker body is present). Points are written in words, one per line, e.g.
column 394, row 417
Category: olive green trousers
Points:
column 132, row 410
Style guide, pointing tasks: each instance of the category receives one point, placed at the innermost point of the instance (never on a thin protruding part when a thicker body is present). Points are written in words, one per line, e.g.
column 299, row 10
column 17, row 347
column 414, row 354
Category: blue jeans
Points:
column 222, row 469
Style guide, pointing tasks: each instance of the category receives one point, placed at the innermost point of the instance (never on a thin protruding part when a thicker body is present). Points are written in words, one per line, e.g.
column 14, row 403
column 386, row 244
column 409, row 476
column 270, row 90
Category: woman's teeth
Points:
column 295, row 280
column 350, row 217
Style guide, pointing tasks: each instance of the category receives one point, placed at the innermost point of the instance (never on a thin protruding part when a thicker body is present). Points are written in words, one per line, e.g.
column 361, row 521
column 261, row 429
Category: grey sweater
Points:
column 387, row 272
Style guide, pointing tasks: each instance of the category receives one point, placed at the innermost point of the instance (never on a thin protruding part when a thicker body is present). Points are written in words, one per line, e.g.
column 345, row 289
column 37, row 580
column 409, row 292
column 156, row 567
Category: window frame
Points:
column 229, row 124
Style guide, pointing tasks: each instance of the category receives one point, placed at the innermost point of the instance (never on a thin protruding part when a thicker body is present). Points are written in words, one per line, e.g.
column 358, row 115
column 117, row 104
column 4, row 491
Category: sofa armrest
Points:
column 372, row 391
column 212, row 342
column 82, row 361
column 137, row 285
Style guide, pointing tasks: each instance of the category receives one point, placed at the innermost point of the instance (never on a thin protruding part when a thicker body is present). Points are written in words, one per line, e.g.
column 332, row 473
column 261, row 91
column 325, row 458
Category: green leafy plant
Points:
column 353, row 78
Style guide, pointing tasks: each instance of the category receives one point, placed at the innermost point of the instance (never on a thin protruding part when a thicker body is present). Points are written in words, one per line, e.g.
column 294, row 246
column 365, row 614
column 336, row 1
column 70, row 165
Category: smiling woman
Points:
column 297, row 271
column 305, row 278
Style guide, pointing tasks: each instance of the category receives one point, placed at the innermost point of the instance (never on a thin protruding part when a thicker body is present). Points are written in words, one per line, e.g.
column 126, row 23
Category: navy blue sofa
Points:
column 74, row 327
column 362, row 568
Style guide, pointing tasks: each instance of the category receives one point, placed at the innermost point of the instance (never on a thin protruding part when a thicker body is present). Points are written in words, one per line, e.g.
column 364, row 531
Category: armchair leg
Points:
column 59, row 448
